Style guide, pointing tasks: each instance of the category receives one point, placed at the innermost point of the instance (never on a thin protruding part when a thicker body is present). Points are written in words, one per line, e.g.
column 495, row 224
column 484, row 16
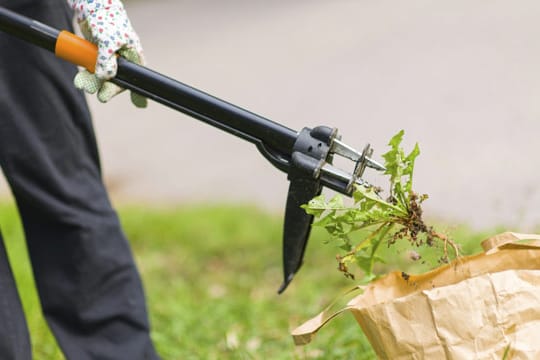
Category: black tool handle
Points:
column 275, row 140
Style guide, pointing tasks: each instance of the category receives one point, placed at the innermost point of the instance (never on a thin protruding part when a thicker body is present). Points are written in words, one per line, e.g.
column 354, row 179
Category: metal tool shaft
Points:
column 205, row 107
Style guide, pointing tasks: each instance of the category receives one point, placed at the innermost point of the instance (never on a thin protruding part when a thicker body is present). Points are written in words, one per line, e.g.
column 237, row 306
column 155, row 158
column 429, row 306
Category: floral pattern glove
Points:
column 105, row 23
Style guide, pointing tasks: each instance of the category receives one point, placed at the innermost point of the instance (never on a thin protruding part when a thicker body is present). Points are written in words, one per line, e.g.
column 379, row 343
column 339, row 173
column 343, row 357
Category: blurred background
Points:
column 461, row 78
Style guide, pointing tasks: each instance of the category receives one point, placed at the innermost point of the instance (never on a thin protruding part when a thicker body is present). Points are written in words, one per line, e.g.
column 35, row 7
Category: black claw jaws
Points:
column 311, row 151
column 297, row 226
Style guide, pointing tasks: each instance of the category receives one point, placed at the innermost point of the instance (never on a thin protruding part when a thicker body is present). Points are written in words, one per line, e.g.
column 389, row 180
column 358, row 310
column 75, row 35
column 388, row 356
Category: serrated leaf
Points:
column 394, row 158
column 395, row 141
column 410, row 159
column 409, row 168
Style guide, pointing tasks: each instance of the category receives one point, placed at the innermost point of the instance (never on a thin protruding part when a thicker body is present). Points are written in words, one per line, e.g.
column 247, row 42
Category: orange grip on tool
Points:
column 76, row 50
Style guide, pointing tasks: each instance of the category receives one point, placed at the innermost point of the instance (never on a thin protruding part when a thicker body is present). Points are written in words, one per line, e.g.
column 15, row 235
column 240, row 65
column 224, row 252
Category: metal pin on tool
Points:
column 337, row 173
column 348, row 152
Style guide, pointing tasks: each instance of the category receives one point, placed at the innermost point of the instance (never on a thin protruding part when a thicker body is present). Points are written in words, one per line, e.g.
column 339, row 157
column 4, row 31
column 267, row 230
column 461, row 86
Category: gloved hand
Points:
column 105, row 23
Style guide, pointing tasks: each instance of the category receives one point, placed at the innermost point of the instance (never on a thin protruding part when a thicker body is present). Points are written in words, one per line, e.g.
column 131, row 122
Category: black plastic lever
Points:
column 310, row 152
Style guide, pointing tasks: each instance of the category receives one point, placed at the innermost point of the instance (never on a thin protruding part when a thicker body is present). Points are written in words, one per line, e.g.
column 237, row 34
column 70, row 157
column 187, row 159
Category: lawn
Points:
column 211, row 273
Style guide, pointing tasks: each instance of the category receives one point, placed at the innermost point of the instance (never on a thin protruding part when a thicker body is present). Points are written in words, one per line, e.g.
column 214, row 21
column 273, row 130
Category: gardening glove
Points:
column 105, row 23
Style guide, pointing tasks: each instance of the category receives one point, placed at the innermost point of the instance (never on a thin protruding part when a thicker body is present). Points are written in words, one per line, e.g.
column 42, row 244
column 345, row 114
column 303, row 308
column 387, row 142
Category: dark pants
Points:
column 89, row 287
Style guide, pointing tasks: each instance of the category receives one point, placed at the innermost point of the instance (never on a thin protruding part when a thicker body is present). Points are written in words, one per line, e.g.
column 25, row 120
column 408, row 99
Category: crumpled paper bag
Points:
column 485, row 306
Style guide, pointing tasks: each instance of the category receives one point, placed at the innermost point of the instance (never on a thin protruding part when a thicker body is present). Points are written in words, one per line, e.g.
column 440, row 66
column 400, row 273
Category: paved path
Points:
column 461, row 77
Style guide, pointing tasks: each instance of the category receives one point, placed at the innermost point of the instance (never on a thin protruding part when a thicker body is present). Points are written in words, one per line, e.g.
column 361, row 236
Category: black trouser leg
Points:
column 88, row 284
column 14, row 340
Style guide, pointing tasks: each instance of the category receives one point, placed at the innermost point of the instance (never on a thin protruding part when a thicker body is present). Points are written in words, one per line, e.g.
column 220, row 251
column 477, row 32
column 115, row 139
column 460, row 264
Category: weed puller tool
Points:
column 306, row 156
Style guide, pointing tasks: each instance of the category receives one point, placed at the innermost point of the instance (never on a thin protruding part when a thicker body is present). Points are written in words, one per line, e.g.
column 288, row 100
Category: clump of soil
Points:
column 415, row 230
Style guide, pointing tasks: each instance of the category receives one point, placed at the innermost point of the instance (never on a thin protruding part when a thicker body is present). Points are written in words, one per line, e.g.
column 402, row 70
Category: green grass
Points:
column 211, row 275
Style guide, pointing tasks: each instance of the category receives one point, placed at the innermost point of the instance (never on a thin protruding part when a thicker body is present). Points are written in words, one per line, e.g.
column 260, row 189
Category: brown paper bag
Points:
column 485, row 306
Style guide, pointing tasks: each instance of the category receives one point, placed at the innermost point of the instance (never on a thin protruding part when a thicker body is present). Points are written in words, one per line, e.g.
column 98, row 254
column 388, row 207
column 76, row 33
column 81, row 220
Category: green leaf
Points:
column 410, row 159
column 323, row 221
column 398, row 165
column 409, row 167
column 336, row 202
column 318, row 202
column 395, row 141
